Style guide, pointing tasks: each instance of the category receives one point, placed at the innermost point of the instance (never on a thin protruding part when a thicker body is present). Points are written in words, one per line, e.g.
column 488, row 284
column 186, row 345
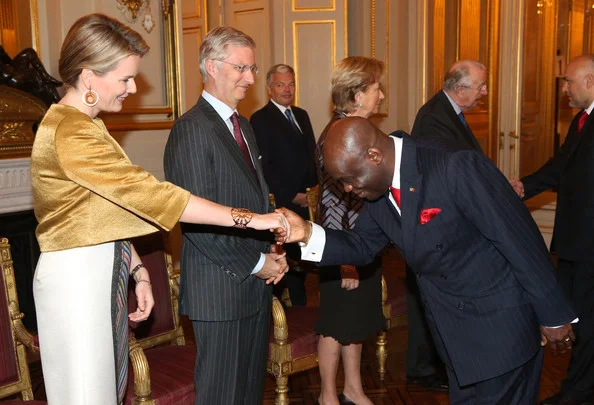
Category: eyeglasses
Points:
column 243, row 68
column 280, row 85
column 481, row 87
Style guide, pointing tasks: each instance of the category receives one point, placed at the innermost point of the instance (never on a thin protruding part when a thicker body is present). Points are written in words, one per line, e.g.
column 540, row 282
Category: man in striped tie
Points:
column 286, row 141
column 572, row 171
column 226, row 276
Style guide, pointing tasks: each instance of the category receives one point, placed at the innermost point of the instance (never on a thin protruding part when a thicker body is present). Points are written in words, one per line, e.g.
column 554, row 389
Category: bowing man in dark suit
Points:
column 482, row 267
column 443, row 116
column 225, row 274
column 287, row 145
column 572, row 170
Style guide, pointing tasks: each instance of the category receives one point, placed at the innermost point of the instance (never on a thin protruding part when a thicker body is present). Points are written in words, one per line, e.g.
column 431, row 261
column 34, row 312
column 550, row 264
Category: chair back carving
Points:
column 14, row 370
column 313, row 199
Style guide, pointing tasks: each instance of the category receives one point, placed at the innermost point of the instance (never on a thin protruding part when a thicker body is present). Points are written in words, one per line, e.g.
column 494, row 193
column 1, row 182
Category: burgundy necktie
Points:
column 396, row 194
column 241, row 143
column 582, row 120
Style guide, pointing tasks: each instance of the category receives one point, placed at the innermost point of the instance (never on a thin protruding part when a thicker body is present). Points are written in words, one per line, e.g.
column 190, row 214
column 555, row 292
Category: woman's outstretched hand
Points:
column 275, row 222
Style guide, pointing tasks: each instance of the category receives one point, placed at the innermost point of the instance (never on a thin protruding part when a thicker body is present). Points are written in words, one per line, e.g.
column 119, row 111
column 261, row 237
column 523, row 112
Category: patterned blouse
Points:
column 338, row 209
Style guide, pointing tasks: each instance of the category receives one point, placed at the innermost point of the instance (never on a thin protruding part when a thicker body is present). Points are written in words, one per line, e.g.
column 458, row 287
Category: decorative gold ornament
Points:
column 241, row 217
column 133, row 9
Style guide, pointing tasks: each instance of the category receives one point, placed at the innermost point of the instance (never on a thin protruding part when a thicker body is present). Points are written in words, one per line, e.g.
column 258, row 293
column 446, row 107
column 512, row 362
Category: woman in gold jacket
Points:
column 89, row 201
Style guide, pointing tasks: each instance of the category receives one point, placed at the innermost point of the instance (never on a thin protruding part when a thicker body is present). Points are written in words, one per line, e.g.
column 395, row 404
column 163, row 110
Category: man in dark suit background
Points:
column 572, row 170
column 287, row 144
column 441, row 117
column 482, row 267
column 225, row 273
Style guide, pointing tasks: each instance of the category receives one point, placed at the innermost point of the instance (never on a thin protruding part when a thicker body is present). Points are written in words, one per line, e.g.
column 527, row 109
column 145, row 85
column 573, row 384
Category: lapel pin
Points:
column 411, row 189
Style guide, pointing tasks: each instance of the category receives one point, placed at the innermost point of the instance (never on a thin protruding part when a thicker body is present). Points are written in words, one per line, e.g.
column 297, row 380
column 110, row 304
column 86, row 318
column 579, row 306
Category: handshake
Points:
column 287, row 227
column 291, row 227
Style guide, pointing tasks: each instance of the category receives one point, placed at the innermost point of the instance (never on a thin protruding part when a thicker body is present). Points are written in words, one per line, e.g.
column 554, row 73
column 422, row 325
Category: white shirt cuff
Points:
column 315, row 247
column 555, row 327
column 260, row 264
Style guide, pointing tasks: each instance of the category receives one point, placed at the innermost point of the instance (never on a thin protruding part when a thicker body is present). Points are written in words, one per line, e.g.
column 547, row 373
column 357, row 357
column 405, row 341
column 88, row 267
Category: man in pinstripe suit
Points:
column 484, row 273
column 225, row 274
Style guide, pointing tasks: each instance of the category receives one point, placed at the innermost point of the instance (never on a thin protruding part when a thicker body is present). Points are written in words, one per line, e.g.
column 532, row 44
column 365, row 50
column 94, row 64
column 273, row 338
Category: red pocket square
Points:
column 428, row 214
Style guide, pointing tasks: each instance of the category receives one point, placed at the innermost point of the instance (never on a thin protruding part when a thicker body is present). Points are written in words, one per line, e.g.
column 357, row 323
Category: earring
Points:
column 360, row 105
column 90, row 98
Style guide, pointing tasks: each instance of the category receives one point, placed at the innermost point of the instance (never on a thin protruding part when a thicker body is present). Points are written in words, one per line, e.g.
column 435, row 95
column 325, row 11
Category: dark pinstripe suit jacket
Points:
column 482, row 267
column 571, row 169
column 287, row 156
column 438, row 119
column 202, row 157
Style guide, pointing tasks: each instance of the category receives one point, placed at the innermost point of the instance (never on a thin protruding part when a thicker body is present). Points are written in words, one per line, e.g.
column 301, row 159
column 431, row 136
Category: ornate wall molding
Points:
column 15, row 185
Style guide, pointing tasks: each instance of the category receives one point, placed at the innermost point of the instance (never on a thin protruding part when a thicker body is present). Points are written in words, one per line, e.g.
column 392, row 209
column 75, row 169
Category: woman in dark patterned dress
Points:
column 350, row 298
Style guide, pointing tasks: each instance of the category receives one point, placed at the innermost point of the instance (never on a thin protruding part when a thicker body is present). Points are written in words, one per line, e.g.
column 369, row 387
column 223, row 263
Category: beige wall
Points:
column 310, row 35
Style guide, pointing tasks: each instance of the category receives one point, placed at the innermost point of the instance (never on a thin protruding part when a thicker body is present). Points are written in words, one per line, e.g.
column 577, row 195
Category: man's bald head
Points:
column 579, row 81
column 359, row 155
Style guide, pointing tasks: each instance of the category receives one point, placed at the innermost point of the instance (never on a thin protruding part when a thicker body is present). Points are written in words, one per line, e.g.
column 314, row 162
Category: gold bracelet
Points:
column 145, row 281
column 241, row 217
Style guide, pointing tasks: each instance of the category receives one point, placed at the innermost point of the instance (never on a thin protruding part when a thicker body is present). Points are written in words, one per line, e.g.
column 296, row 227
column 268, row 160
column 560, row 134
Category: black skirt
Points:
column 351, row 316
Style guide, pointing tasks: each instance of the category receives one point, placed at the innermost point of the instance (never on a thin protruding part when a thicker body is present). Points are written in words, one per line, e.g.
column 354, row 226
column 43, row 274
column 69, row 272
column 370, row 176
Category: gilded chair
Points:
column 162, row 366
column 15, row 379
column 395, row 311
column 293, row 345
column 313, row 199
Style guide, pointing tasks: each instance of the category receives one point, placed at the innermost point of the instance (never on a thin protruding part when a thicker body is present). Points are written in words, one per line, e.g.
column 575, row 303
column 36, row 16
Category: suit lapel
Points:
column 283, row 121
column 222, row 131
column 250, row 138
column 463, row 130
column 410, row 189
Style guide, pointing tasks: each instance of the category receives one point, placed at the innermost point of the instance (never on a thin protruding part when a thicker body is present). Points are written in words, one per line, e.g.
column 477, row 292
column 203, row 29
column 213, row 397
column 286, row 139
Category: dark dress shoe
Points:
column 560, row 399
column 343, row 400
column 431, row 382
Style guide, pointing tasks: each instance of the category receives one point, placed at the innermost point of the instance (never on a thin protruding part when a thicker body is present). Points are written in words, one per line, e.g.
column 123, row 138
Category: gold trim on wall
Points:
column 346, row 29
column 284, row 18
column 372, row 23
column 493, row 66
column 386, row 59
column 172, row 61
column 202, row 9
column 35, row 26
column 303, row 9
column 438, row 44
column 295, row 46
column 423, row 15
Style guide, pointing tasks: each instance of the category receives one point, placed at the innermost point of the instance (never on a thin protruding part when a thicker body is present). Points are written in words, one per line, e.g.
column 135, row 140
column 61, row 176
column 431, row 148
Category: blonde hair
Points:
column 214, row 46
column 97, row 42
column 350, row 76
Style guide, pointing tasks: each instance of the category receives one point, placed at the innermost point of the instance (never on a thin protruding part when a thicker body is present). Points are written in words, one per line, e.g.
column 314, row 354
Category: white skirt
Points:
column 72, row 290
